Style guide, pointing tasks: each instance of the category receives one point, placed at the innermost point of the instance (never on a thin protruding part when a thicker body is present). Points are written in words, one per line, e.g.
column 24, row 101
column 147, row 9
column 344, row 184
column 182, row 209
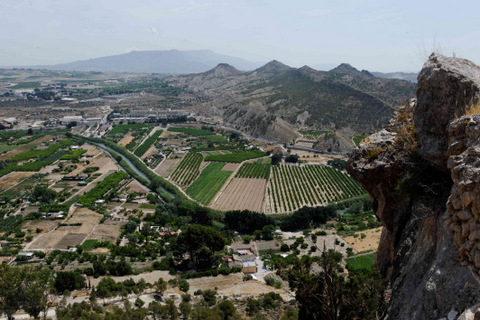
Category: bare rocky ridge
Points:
column 275, row 100
column 422, row 173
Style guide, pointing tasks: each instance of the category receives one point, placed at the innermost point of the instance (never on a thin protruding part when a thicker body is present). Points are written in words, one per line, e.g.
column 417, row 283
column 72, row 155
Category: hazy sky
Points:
column 372, row 35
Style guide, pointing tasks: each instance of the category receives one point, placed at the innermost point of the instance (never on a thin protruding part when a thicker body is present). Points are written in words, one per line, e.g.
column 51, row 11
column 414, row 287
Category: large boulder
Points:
column 446, row 88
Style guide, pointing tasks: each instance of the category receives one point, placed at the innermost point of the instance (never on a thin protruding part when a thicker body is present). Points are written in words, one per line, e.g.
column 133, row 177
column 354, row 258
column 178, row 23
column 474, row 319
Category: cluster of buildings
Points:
column 7, row 123
column 241, row 258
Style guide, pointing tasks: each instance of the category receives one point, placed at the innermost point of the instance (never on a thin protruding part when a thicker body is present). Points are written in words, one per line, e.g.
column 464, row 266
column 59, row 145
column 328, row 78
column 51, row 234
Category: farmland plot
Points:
column 242, row 194
column 209, row 183
column 292, row 187
column 188, row 169
column 168, row 165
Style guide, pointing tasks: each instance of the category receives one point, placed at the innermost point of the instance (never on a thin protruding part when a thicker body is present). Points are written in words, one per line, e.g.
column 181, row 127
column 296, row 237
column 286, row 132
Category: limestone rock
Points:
column 446, row 86
column 430, row 246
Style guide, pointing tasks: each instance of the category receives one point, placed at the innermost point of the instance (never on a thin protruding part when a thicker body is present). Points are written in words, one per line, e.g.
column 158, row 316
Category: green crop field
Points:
column 140, row 151
column 74, row 154
column 26, row 85
column 292, row 187
column 191, row 131
column 125, row 128
column 188, row 169
column 236, row 157
column 312, row 134
column 209, row 183
column 104, row 186
column 364, row 262
column 257, row 169
column 357, row 138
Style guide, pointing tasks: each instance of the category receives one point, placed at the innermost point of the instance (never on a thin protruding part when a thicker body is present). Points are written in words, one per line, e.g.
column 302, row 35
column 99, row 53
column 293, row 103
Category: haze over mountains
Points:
column 179, row 62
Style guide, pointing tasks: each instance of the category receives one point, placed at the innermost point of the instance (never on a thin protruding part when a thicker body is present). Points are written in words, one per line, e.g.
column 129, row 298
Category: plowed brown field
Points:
column 242, row 194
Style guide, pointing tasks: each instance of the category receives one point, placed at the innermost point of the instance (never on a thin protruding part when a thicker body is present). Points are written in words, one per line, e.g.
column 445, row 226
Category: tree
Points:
column 328, row 295
column 227, row 309
column 11, row 280
column 267, row 232
column 68, row 281
column 276, row 159
column 197, row 236
column 36, row 292
column 184, row 285
column 30, row 132
column 185, row 309
column 160, row 286
column 210, row 297
column 293, row 158
column 43, row 194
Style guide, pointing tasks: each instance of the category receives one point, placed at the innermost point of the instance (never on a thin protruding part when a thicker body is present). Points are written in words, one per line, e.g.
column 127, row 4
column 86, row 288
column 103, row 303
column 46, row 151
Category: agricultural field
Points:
column 168, row 165
column 125, row 128
column 242, row 194
column 312, row 134
column 357, row 138
column 257, row 169
column 209, row 183
column 292, row 187
column 188, row 169
column 236, row 157
column 191, row 131
column 75, row 229
column 147, row 143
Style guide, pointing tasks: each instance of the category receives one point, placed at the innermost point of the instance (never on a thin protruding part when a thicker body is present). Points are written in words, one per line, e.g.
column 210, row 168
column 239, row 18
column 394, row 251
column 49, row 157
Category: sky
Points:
column 381, row 36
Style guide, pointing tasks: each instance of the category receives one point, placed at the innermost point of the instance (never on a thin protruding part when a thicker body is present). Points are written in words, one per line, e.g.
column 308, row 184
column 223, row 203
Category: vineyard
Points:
column 147, row 143
column 188, row 169
column 209, row 183
column 257, row 169
column 236, row 157
column 312, row 134
column 292, row 187
column 104, row 186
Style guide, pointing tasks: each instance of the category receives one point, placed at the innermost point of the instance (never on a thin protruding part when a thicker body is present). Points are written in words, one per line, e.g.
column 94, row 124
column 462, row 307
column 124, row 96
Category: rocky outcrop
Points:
column 446, row 87
column 423, row 174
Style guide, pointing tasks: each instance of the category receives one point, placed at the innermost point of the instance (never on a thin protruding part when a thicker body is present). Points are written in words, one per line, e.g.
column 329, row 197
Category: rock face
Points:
column 423, row 174
column 445, row 88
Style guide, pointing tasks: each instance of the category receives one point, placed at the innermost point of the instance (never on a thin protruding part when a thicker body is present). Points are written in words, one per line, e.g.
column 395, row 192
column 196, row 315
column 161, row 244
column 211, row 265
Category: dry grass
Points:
column 474, row 109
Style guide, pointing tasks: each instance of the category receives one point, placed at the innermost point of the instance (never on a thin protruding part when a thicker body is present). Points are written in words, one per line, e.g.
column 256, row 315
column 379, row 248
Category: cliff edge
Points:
column 423, row 174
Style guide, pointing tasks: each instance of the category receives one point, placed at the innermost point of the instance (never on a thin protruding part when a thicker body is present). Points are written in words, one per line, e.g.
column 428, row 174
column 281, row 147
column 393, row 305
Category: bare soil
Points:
column 242, row 193
column 370, row 242
column 126, row 139
column 13, row 178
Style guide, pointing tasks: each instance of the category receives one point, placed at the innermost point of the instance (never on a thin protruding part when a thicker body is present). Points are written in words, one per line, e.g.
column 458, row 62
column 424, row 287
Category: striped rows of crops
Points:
column 236, row 157
column 147, row 143
column 209, row 183
column 292, row 187
column 188, row 169
column 312, row 134
column 257, row 169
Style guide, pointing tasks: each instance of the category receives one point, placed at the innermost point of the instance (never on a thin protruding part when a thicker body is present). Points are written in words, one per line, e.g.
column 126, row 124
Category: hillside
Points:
column 166, row 62
column 275, row 100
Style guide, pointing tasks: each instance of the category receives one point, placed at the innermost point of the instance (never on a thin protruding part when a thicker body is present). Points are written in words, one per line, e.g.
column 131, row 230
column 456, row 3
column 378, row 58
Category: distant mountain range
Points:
column 180, row 62
column 165, row 62
column 275, row 100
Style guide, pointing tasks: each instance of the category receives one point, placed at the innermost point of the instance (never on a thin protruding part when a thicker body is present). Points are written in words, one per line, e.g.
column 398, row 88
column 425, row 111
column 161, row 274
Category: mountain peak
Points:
column 346, row 69
column 274, row 67
column 223, row 69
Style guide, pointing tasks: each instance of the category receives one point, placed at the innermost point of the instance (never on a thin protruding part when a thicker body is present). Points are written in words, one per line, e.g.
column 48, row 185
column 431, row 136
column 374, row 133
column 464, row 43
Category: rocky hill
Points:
column 422, row 173
column 275, row 100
